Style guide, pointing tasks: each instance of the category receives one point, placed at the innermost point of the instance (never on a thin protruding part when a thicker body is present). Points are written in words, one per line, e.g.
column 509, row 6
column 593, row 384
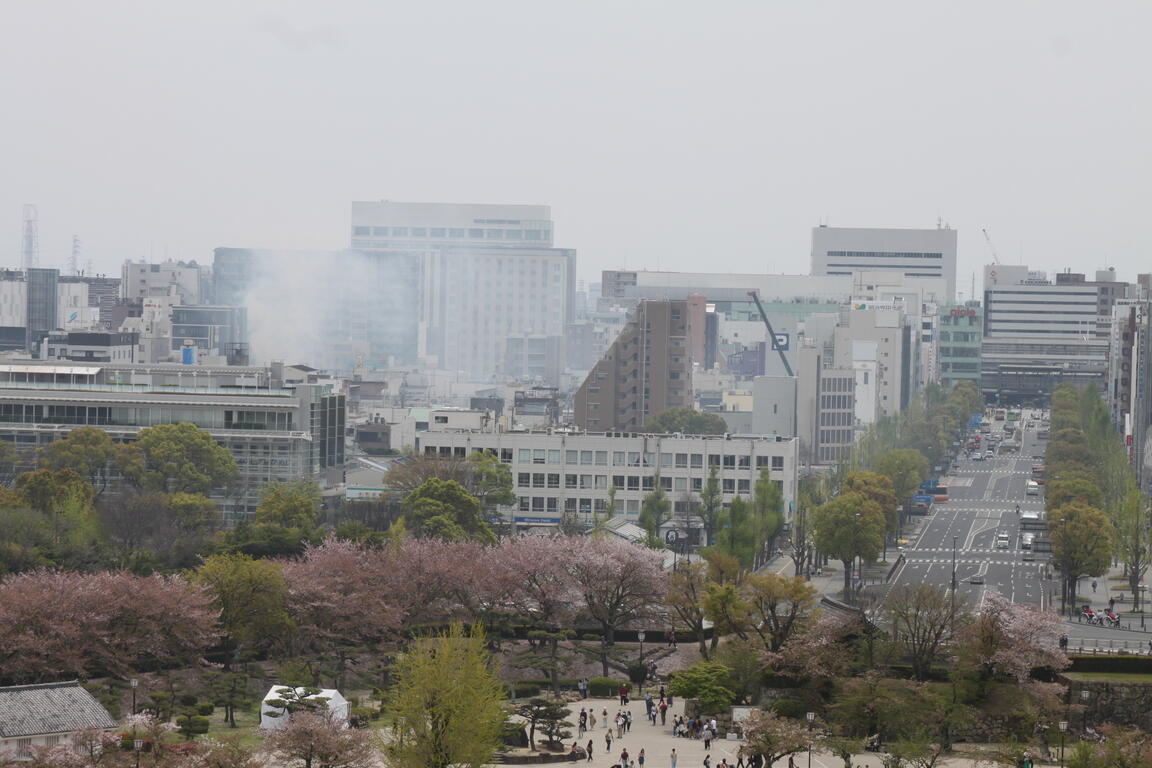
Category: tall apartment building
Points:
column 1039, row 332
column 909, row 252
column 103, row 293
column 557, row 473
column 275, row 433
column 647, row 370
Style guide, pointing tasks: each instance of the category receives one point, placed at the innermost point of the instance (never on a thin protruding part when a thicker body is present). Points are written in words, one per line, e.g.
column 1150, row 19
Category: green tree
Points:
column 490, row 481
column 193, row 511
column 549, row 715
column 252, row 598
column 56, row 491
column 878, row 488
column 1132, row 537
column 777, row 606
column 847, row 527
column 654, row 512
column 447, row 703
column 687, row 421
column 290, row 700
column 685, row 596
column 290, row 505
column 707, row 681
column 1081, row 544
column 767, row 510
column 444, row 509
column 228, row 689
column 711, row 506
column 905, row 469
column 87, row 451
column 182, row 458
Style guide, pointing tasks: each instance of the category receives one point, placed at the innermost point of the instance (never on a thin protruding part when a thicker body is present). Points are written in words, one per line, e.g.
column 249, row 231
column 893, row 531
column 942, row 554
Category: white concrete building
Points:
column 142, row 280
column 488, row 272
column 908, row 252
column 875, row 341
column 558, row 472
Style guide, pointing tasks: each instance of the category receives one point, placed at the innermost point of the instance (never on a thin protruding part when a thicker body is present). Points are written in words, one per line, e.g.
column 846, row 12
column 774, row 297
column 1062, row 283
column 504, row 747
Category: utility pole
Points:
column 953, row 615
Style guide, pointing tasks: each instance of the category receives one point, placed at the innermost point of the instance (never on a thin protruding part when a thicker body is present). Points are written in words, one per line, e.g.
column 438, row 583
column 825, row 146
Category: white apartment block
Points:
column 559, row 472
column 877, row 343
column 908, row 252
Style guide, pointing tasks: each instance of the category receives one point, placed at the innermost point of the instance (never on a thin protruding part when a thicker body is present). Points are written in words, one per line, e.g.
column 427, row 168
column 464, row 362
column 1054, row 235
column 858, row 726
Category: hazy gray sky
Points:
column 684, row 135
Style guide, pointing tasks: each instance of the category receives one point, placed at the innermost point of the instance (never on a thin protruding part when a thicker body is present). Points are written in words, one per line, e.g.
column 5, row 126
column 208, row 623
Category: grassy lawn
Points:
column 247, row 730
column 1110, row 677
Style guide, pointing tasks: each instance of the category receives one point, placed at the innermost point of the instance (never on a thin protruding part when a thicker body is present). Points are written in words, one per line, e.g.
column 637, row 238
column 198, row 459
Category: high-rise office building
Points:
column 647, row 370
column 489, row 273
column 1039, row 332
column 910, row 252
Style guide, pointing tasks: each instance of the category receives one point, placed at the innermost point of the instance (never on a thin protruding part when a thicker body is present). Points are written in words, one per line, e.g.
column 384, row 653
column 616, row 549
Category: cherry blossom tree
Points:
column 311, row 740
column 342, row 594
column 774, row 737
column 620, row 583
column 540, row 588
column 59, row 624
column 1011, row 639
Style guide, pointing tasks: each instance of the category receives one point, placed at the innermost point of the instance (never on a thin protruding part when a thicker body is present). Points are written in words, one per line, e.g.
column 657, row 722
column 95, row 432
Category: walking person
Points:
column 707, row 761
column 640, row 759
column 707, row 738
column 1093, row 586
column 672, row 758
column 740, row 758
column 607, row 723
column 608, row 742
column 624, row 757
column 589, row 750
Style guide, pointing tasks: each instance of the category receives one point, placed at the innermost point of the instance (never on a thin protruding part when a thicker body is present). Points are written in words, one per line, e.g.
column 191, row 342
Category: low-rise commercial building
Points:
column 557, row 473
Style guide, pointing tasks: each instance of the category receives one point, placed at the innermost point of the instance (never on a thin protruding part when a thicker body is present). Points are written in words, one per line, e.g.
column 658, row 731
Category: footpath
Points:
column 658, row 741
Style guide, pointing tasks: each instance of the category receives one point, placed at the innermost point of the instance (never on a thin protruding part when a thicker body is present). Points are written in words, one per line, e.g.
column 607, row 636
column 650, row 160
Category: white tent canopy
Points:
column 337, row 705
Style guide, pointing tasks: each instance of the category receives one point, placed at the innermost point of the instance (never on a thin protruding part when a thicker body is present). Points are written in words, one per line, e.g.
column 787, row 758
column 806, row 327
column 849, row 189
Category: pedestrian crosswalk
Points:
column 962, row 561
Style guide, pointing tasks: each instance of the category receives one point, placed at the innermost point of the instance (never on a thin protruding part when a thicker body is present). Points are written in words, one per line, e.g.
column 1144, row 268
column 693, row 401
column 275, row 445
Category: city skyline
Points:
column 263, row 137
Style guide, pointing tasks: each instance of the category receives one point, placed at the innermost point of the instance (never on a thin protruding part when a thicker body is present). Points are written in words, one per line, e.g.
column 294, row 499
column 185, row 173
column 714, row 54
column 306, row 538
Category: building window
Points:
column 633, row 482
column 524, row 480
column 570, row 481
column 744, row 462
column 646, row 483
column 554, row 480
column 681, row 461
column 697, row 484
column 778, row 463
column 729, row 486
column 729, row 462
column 538, row 480
column 524, row 456
column 697, row 460
column 743, row 486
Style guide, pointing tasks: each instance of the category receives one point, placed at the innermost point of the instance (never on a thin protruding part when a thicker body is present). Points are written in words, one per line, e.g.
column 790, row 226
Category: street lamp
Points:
column 137, row 745
column 134, row 684
column 953, row 616
column 811, row 716
column 1063, row 727
column 640, row 637
column 1084, row 696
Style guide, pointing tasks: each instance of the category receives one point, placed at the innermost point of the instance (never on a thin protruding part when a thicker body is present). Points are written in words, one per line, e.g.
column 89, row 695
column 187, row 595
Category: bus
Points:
column 1000, row 414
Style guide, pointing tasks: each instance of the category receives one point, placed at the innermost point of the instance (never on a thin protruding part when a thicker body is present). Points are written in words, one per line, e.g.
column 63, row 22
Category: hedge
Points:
column 604, row 686
column 789, row 708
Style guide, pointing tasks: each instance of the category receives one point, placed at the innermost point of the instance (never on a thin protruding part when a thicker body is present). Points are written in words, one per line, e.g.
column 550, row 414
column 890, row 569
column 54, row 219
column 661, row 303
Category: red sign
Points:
column 963, row 313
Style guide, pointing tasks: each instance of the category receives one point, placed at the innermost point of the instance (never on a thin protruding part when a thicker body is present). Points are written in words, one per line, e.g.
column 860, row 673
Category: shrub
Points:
column 707, row 681
column 205, row 709
column 604, row 686
column 526, row 688
column 361, row 715
column 191, row 725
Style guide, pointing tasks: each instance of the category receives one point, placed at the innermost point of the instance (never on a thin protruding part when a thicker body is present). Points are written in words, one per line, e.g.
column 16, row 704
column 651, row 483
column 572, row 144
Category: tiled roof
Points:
column 30, row 710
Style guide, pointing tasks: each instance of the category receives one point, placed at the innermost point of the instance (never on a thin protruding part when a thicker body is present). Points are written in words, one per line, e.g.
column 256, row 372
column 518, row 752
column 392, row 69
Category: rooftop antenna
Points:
column 74, row 260
column 30, row 242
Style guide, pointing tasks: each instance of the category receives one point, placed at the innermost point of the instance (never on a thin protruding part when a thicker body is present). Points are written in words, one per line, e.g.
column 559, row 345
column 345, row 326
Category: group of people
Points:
column 695, row 728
